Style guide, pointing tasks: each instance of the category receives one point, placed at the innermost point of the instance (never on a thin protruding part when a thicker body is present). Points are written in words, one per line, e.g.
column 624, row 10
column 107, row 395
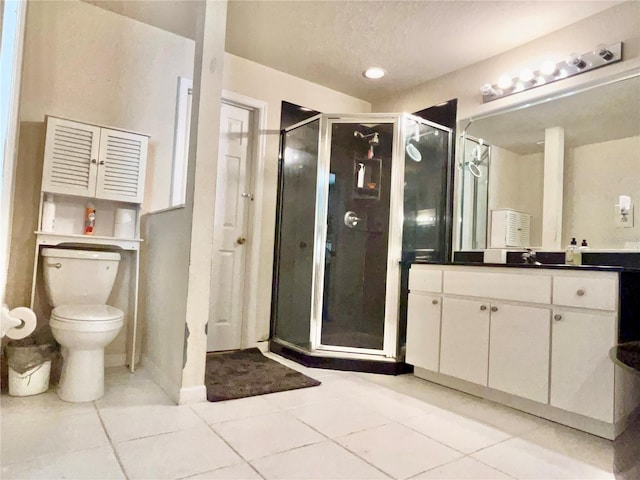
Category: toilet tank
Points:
column 78, row 277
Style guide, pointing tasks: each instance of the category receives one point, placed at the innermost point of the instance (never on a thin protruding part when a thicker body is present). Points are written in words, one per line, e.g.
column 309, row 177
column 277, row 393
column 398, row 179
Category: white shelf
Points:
column 53, row 238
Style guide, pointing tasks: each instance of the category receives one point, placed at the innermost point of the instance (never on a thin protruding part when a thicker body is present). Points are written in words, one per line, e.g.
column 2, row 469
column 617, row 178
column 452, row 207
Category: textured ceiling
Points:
column 332, row 42
column 608, row 112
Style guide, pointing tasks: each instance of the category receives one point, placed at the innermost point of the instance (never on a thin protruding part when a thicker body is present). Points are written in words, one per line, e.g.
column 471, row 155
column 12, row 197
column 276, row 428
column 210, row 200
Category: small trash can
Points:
column 29, row 367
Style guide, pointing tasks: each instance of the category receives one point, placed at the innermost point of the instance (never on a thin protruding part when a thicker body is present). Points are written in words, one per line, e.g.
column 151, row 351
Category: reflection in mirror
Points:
column 474, row 194
column 600, row 161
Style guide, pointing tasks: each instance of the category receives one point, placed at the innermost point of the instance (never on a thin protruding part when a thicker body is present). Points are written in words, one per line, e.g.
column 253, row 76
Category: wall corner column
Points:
column 553, row 188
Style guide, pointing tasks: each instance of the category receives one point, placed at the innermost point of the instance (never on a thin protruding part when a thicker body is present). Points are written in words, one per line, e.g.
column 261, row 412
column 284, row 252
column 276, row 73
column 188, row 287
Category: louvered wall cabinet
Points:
column 93, row 161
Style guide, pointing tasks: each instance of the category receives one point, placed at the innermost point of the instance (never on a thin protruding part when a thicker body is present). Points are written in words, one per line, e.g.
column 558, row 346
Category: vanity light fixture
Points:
column 374, row 73
column 549, row 71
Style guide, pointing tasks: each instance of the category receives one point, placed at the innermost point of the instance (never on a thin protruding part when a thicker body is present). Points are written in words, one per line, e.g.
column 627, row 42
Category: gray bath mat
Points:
column 245, row 373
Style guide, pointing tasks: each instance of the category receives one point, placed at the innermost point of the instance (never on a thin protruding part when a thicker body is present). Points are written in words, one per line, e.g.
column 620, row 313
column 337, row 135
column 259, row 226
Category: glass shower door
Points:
column 357, row 237
column 293, row 273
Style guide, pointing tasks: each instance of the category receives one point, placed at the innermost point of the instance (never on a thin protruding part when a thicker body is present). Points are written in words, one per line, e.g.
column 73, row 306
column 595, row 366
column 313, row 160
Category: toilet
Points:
column 78, row 284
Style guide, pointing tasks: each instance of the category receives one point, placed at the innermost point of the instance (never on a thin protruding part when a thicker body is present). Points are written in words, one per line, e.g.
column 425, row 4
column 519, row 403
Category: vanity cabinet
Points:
column 93, row 161
column 535, row 339
column 519, row 354
column 464, row 347
column 423, row 330
column 582, row 374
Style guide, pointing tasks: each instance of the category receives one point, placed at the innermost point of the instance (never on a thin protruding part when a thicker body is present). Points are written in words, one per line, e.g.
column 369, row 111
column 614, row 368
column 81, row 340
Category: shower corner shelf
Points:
column 367, row 177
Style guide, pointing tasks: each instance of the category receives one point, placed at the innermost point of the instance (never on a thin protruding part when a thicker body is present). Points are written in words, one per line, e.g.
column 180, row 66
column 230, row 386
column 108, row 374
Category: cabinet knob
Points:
column 241, row 240
column 101, row 162
column 483, row 307
column 494, row 309
column 434, row 301
column 580, row 292
column 94, row 161
column 557, row 317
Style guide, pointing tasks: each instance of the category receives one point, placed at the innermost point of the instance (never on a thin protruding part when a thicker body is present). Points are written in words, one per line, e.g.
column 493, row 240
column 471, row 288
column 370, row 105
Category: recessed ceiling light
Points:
column 374, row 73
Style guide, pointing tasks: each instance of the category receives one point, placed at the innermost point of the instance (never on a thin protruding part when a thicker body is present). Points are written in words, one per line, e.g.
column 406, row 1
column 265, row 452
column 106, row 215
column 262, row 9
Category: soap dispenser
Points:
column 572, row 255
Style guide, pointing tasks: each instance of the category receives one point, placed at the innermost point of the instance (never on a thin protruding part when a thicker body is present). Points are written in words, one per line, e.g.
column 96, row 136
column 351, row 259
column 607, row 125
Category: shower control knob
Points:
column 241, row 240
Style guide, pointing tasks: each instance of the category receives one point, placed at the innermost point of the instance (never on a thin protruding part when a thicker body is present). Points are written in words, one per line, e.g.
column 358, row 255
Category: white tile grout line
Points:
column 113, row 447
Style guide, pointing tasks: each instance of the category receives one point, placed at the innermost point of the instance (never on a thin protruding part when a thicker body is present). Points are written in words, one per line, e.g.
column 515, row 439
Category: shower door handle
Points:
column 351, row 219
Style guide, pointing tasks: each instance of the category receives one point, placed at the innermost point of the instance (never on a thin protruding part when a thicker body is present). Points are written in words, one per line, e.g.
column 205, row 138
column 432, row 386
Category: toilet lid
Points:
column 86, row 313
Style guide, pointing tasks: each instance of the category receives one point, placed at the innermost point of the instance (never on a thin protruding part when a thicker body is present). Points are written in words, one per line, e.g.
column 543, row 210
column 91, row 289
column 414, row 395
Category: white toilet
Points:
column 78, row 284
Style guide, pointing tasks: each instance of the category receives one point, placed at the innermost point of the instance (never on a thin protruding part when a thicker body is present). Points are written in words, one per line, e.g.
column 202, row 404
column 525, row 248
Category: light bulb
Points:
column 526, row 75
column 505, row 82
column 541, row 80
column 562, row 74
column 548, row 68
column 487, row 89
column 519, row 87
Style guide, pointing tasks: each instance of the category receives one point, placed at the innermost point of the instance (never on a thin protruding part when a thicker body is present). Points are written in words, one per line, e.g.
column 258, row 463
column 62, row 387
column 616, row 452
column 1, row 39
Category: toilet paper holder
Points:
column 11, row 322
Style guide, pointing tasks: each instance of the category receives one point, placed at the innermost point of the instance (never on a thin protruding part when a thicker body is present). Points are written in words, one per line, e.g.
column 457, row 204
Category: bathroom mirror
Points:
column 501, row 167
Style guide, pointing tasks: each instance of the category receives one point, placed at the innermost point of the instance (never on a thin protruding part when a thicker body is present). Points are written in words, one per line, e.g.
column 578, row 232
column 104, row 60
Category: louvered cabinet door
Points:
column 121, row 166
column 70, row 157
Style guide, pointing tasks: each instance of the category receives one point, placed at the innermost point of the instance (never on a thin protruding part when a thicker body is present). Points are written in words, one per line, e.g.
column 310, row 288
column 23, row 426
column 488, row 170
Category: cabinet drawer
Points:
column 425, row 280
column 585, row 292
column 503, row 286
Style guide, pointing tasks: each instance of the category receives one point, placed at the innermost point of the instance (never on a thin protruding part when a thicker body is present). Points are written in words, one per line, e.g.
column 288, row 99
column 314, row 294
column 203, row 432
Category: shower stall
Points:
column 357, row 194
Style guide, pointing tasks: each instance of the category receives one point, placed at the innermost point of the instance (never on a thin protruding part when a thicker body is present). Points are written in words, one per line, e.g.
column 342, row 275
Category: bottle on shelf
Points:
column 48, row 213
column 89, row 219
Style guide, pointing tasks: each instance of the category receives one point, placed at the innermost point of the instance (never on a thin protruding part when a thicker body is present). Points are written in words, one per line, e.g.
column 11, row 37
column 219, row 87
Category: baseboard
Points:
column 263, row 346
column 163, row 381
column 574, row 420
column 115, row 360
column 195, row 394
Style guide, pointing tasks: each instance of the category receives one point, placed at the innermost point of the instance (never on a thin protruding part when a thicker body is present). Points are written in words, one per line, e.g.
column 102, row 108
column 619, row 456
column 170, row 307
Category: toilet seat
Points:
column 86, row 318
column 86, row 313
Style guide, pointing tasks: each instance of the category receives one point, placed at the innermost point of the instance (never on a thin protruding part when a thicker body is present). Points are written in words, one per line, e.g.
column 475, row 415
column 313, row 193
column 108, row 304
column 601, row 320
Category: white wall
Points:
column 271, row 86
column 85, row 63
column 620, row 23
column 595, row 176
column 164, row 272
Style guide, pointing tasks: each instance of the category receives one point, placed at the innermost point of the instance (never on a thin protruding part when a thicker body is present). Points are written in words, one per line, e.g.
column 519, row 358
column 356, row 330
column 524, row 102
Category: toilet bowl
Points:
column 78, row 284
column 84, row 331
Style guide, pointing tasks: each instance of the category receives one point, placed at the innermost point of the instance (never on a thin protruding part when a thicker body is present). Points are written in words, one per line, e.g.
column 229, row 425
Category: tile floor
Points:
column 353, row 426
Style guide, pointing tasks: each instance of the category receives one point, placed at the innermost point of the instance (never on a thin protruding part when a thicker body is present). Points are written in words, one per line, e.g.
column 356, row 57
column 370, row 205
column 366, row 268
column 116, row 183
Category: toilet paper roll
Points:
column 30, row 322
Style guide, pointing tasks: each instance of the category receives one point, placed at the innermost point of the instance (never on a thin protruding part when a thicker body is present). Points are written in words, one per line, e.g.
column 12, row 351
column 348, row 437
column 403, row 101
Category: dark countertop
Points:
column 598, row 268
column 627, row 355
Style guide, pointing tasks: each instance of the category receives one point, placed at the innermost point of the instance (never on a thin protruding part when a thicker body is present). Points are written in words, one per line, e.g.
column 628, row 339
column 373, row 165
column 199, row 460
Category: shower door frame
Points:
column 394, row 246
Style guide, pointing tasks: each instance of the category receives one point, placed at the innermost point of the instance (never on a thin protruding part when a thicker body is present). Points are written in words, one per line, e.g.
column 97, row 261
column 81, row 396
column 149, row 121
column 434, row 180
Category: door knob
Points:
column 241, row 240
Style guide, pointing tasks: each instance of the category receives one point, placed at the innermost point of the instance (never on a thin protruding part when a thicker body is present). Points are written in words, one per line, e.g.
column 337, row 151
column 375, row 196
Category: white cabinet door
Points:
column 70, row 157
column 464, row 345
column 121, row 166
column 519, row 351
column 581, row 371
column 423, row 331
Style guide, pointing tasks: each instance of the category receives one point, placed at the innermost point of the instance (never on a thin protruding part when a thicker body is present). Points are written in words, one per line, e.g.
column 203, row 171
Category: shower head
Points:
column 413, row 152
column 374, row 138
